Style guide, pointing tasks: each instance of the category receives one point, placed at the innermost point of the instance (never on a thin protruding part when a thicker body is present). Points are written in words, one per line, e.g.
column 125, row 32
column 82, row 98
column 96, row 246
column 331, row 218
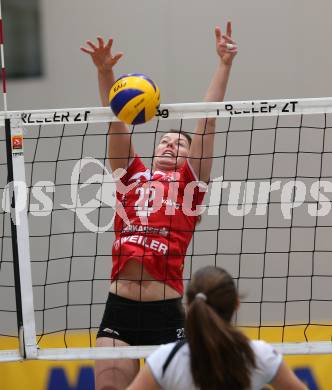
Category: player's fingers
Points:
column 92, row 45
column 228, row 39
column 109, row 43
column 117, row 56
column 229, row 46
column 86, row 50
column 229, row 28
column 100, row 42
column 218, row 33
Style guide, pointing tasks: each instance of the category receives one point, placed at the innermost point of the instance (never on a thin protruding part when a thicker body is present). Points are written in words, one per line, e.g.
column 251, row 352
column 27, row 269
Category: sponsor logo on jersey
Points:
column 145, row 242
column 146, row 229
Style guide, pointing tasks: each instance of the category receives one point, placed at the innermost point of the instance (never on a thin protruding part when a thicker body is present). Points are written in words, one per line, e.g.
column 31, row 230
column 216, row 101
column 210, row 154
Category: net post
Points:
column 20, row 242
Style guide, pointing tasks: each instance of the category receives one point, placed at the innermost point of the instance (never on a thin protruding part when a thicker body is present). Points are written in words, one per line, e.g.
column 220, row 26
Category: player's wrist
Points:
column 226, row 63
column 106, row 76
column 104, row 70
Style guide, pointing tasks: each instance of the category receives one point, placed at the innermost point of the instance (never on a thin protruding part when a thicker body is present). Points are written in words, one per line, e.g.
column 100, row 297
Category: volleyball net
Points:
column 266, row 219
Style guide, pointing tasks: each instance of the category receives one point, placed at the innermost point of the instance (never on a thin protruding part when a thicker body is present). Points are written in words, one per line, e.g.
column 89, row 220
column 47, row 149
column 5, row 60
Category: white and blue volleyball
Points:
column 134, row 98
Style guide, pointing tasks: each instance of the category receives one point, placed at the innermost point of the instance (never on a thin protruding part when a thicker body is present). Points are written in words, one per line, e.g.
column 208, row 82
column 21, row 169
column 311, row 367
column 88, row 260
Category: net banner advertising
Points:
column 78, row 375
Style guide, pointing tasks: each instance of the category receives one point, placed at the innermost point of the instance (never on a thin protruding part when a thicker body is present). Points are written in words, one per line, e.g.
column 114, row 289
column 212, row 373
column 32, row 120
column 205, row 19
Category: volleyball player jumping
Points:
column 144, row 304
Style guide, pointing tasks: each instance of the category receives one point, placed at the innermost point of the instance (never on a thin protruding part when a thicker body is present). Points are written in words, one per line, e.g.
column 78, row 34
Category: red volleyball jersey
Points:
column 159, row 207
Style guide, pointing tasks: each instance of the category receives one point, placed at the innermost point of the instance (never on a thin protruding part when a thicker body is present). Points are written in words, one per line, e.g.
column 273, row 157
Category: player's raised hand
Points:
column 101, row 54
column 226, row 47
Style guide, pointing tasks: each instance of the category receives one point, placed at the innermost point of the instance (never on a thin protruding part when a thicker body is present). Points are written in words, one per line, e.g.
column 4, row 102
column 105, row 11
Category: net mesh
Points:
column 267, row 221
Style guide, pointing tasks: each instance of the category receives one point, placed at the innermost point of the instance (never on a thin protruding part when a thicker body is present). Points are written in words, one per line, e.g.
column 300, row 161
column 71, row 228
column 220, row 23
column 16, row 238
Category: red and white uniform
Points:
column 159, row 209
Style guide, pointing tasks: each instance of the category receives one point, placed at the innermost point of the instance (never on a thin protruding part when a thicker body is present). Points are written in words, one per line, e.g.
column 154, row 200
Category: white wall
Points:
column 285, row 48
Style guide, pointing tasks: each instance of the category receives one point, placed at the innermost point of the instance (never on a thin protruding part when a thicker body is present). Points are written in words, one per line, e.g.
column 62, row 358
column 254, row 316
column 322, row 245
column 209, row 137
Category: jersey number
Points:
column 143, row 205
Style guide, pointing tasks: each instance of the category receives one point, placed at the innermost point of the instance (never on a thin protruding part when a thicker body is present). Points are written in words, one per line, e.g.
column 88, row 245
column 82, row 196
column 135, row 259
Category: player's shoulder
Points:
column 136, row 170
column 168, row 350
column 260, row 346
column 136, row 162
column 268, row 361
column 170, row 366
column 265, row 354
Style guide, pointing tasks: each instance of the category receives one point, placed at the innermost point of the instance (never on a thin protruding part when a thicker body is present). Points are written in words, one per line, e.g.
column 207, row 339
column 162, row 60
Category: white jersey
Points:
column 177, row 375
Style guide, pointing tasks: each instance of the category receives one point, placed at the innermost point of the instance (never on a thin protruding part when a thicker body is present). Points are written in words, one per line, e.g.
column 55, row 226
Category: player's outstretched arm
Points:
column 120, row 148
column 201, row 150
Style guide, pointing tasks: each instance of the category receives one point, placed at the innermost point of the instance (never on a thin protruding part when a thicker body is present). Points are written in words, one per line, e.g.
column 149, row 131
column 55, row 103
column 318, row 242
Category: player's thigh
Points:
column 114, row 374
